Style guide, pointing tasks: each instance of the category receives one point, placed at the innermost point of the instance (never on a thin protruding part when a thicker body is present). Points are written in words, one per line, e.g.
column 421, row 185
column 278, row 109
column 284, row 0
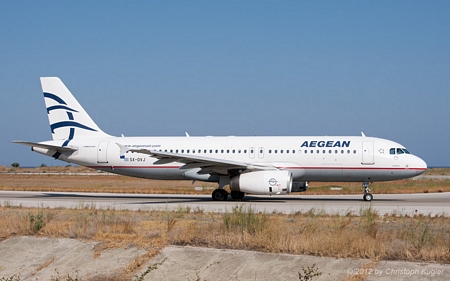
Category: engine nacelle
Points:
column 299, row 186
column 263, row 182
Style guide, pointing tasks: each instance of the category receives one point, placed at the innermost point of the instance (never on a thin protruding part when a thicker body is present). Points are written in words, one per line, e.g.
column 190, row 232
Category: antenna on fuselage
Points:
column 362, row 134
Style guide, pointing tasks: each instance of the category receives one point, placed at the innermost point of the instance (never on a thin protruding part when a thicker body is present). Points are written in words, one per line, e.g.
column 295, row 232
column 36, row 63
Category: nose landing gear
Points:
column 367, row 195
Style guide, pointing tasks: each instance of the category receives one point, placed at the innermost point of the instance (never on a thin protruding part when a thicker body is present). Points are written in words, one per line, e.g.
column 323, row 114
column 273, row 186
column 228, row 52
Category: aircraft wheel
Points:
column 219, row 195
column 237, row 195
column 367, row 197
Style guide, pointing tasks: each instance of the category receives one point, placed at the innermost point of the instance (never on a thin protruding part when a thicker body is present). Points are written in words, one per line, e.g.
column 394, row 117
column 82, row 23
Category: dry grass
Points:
column 28, row 180
column 438, row 171
column 368, row 236
column 109, row 227
column 364, row 235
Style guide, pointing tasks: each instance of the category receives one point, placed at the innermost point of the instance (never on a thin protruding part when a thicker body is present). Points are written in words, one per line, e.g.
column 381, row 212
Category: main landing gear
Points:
column 219, row 195
column 237, row 195
column 367, row 195
column 222, row 195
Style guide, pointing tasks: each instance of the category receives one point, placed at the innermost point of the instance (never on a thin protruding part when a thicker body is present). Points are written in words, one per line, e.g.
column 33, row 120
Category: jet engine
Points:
column 263, row 182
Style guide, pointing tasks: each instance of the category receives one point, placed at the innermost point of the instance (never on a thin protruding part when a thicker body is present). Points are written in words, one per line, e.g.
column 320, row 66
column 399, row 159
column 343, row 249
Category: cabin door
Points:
column 367, row 153
column 102, row 152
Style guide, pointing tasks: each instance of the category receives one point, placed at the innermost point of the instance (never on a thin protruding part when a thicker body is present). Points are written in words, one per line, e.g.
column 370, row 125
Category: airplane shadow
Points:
column 177, row 199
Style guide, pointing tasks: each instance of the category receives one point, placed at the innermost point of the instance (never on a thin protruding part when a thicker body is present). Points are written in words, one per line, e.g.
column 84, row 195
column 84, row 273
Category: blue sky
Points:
column 158, row 68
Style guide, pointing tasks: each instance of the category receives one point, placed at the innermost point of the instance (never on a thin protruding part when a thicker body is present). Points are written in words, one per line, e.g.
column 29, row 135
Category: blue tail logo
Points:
column 70, row 123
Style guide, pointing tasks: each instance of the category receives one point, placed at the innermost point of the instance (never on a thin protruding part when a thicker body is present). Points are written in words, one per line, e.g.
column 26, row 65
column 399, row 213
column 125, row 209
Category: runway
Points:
column 406, row 204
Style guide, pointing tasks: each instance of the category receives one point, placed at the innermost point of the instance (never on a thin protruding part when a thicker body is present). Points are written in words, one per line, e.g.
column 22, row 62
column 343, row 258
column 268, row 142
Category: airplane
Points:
column 260, row 165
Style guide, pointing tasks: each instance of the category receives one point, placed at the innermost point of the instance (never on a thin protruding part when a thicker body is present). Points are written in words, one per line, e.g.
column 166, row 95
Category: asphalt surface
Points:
column 406, row 204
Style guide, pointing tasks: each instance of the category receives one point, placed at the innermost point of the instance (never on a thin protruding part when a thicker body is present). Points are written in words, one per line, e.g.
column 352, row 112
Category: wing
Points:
column 62, row 149
column 207, row 165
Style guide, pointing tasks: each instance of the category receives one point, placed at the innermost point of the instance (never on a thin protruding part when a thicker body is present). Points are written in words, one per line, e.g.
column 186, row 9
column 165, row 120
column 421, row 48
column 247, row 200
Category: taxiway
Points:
column 402, row 204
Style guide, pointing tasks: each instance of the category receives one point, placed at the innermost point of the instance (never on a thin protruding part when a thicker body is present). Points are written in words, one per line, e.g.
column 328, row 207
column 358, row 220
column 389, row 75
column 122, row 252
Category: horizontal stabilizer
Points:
column 62, row 149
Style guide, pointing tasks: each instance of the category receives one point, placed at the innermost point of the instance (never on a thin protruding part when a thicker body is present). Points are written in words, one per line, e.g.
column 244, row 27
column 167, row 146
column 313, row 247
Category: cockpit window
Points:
column 394, row 151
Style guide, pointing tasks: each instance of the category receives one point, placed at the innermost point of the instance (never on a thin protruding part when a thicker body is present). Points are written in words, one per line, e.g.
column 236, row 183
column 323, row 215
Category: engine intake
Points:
column 263, row 182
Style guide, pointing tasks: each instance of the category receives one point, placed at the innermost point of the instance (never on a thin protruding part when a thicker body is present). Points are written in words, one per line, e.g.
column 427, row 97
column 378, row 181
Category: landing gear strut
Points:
column 221, row 194
column 367, row 195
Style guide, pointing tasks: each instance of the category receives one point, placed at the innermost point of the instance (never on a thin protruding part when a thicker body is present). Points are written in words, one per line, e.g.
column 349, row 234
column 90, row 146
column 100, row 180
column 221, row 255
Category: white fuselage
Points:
column 318, row 158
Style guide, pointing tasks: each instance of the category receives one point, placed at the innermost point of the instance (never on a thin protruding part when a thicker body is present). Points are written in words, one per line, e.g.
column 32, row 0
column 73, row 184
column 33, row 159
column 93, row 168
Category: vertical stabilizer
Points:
column 67, row 118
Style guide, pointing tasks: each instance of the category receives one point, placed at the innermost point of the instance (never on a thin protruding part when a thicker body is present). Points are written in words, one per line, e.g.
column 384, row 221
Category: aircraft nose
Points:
column 420, row 166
